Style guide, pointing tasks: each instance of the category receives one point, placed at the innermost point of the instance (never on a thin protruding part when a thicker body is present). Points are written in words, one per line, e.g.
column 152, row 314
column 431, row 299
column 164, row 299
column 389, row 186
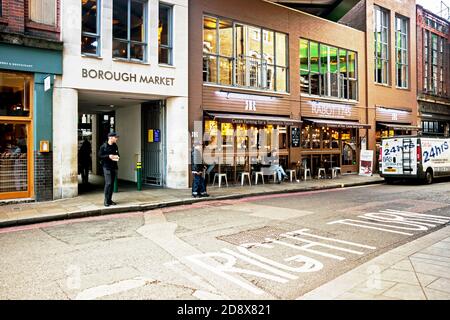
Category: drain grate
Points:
column 254, row 235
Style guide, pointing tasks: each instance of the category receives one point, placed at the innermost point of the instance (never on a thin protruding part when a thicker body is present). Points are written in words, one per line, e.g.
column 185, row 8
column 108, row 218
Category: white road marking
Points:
column 303, row 232
column 110, row 289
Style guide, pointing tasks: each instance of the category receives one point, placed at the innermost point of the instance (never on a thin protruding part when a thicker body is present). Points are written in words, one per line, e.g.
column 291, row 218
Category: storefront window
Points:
column 15, row 94
column 315, row 138
column 165, row 34
column 13, row 157
column 381, row 32
column 348, row 137
column 327, row 71
column 314, row 65
column 259, row 58
column 401, row 50
column 326, row 138
column 129, row 21
column 334, row 136
column 90, row 38
column 42, row 11
column 306, row 138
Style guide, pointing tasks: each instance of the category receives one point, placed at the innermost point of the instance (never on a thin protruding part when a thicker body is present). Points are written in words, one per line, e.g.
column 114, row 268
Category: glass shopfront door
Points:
column 14, row 160
column 16, row 151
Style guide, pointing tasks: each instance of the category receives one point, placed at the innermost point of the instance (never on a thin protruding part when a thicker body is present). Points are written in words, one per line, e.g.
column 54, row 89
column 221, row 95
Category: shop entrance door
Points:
column 152, row 143
column 16, row 165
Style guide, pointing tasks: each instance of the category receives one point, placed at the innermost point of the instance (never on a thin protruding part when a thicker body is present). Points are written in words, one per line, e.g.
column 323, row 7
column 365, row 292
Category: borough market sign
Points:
column 126, row 77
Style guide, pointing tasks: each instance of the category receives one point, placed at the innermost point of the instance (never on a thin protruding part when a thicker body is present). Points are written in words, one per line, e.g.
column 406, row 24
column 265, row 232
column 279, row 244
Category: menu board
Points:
column 295, row 137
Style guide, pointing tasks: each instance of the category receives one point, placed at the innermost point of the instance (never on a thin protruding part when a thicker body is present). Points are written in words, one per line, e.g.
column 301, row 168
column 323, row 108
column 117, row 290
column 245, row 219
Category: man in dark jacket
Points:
column 199, row 183
column 109, row 156
column 85, row 160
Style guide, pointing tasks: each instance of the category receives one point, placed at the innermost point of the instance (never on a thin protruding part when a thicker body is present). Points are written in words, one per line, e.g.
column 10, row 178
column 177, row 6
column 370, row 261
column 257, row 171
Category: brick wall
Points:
column 356, row 17
column 15, row 19
column 422, row 16
column 43, row 176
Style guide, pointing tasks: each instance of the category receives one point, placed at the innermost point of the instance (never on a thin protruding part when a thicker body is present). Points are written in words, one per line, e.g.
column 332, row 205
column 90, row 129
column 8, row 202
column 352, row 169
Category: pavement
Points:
column 418, row 270
column 13, row 213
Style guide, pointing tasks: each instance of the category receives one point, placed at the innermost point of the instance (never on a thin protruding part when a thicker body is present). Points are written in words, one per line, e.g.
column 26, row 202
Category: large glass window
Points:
column 129, row 32
column 165, row 34
column 241, row 55
column 42, row 11
column 434, row 64
column 90, row 27
column 349, row 147
column 327, row 71
column 15, row 120
column 401, row 51
column 13, row 157
column 425, row 60
column 381, row 34
column 15, row 94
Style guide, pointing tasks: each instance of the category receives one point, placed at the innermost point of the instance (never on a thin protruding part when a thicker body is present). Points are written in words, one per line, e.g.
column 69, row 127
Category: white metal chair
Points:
column 258, row 174
column 243, row 175
column 307, row 172
column 334, row 172
column 220, row 176
column 321, row 170
column 292, row 173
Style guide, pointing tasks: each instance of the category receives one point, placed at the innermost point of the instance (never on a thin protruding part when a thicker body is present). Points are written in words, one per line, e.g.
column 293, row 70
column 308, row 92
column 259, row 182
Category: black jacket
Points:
column 105, row 151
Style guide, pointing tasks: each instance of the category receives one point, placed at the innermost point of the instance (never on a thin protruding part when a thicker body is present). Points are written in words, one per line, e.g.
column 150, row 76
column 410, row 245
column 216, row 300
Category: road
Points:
column 267, row 247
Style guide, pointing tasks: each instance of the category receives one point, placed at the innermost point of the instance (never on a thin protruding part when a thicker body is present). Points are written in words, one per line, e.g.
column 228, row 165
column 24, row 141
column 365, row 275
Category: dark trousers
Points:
column 85, row 174
column 199, row 185
column 110, row 176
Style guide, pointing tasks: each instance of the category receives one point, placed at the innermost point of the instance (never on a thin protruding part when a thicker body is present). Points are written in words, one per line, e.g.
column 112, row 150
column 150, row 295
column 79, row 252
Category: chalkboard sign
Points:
column 295, row 137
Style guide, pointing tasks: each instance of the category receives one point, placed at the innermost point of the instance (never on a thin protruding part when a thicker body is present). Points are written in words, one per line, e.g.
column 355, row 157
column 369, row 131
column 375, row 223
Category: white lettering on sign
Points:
column 323, row 109
column 394, row 116
column 250, row 105
column 126, row 77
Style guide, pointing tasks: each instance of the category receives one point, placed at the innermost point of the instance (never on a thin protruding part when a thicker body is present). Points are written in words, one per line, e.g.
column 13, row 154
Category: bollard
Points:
column 139, row 175
column 116, row 188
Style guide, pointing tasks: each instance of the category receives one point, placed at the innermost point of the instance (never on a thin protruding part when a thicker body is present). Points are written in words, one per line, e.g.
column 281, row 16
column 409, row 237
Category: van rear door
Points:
column 399, row 156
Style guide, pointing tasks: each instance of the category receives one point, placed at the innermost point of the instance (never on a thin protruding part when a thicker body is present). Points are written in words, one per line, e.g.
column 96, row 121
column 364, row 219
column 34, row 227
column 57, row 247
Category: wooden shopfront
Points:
column 330, row 136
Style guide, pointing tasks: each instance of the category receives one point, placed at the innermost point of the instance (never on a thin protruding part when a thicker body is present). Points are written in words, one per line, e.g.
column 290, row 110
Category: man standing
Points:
column 199, row 183
column 109, row 156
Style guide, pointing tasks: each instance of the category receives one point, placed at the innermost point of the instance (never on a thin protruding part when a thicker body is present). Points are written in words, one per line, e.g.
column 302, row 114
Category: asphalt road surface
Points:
column 267, row 247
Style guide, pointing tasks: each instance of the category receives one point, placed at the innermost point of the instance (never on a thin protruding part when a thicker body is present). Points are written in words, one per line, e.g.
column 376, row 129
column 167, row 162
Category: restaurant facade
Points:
column 264, row 77
column 30, row 60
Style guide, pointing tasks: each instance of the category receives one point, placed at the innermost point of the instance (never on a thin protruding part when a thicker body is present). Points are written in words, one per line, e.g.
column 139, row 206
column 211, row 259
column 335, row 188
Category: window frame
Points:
column 39, row 23
column 401, row 50
column 385, row 47
column 233, row 59
column 341, row 77
column 128, row 41
column 169, row 46
column 97, row 35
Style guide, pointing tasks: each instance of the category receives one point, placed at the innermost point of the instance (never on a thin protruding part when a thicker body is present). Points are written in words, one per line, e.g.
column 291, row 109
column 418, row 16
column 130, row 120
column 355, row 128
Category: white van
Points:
column 414, row 157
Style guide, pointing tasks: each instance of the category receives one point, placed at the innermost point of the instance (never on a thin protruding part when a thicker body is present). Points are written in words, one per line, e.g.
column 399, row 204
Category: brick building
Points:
column 433, row 74
column 30, row 58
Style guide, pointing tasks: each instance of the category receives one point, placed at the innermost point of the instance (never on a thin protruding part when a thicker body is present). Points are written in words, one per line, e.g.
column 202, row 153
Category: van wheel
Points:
column 429, row 177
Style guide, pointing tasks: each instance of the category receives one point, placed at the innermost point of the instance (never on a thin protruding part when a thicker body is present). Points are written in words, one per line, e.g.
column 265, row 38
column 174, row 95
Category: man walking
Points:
column 109, row 156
